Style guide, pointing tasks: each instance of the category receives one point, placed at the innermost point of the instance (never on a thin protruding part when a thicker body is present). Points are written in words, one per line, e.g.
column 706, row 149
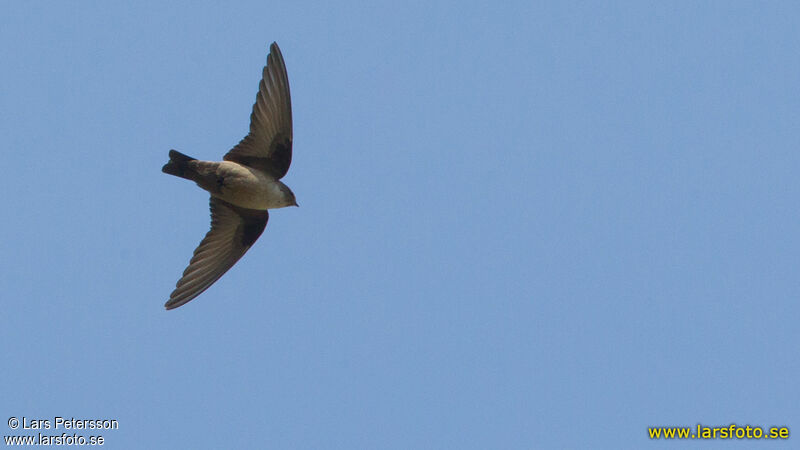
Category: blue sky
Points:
column 522, row 224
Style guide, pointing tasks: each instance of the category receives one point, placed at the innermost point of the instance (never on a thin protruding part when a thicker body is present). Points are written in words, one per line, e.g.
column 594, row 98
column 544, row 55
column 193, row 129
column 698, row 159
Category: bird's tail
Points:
column 178, row 165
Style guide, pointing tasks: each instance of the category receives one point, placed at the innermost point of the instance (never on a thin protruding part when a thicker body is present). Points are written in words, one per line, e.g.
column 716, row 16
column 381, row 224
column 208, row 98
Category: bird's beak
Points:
column 295, row 204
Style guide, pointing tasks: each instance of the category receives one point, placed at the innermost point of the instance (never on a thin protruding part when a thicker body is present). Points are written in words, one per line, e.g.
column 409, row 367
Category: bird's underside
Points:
column 265, row 153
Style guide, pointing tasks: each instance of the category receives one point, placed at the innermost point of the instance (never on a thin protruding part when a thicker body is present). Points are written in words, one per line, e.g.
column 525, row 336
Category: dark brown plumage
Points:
column 243, row 186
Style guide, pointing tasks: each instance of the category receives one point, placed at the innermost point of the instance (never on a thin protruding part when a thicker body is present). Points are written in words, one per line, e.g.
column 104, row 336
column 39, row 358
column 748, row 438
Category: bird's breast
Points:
column 247, row 188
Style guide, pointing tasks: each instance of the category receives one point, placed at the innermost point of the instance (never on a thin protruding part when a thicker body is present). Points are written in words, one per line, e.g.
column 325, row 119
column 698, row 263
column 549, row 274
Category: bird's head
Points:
column 287, row 196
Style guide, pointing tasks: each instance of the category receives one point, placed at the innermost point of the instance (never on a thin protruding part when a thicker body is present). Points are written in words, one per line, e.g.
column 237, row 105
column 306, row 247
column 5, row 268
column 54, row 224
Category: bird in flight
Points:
column 243, row 186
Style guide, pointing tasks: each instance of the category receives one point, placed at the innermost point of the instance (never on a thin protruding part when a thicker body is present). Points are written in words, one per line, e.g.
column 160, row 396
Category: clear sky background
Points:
column 522, row 224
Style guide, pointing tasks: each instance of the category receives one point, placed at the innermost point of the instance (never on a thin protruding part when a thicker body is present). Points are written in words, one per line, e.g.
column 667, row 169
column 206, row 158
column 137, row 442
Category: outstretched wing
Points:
column 268, row 146
column 233, row 231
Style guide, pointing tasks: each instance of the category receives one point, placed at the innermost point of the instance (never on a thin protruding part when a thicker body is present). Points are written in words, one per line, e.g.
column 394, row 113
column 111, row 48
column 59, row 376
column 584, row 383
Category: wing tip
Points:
column 275, row 52
column 172, row 304
column 176, row 301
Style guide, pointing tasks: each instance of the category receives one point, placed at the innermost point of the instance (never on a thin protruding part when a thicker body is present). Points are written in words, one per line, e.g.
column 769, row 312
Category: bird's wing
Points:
column 233, row 231
column 268, row 146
